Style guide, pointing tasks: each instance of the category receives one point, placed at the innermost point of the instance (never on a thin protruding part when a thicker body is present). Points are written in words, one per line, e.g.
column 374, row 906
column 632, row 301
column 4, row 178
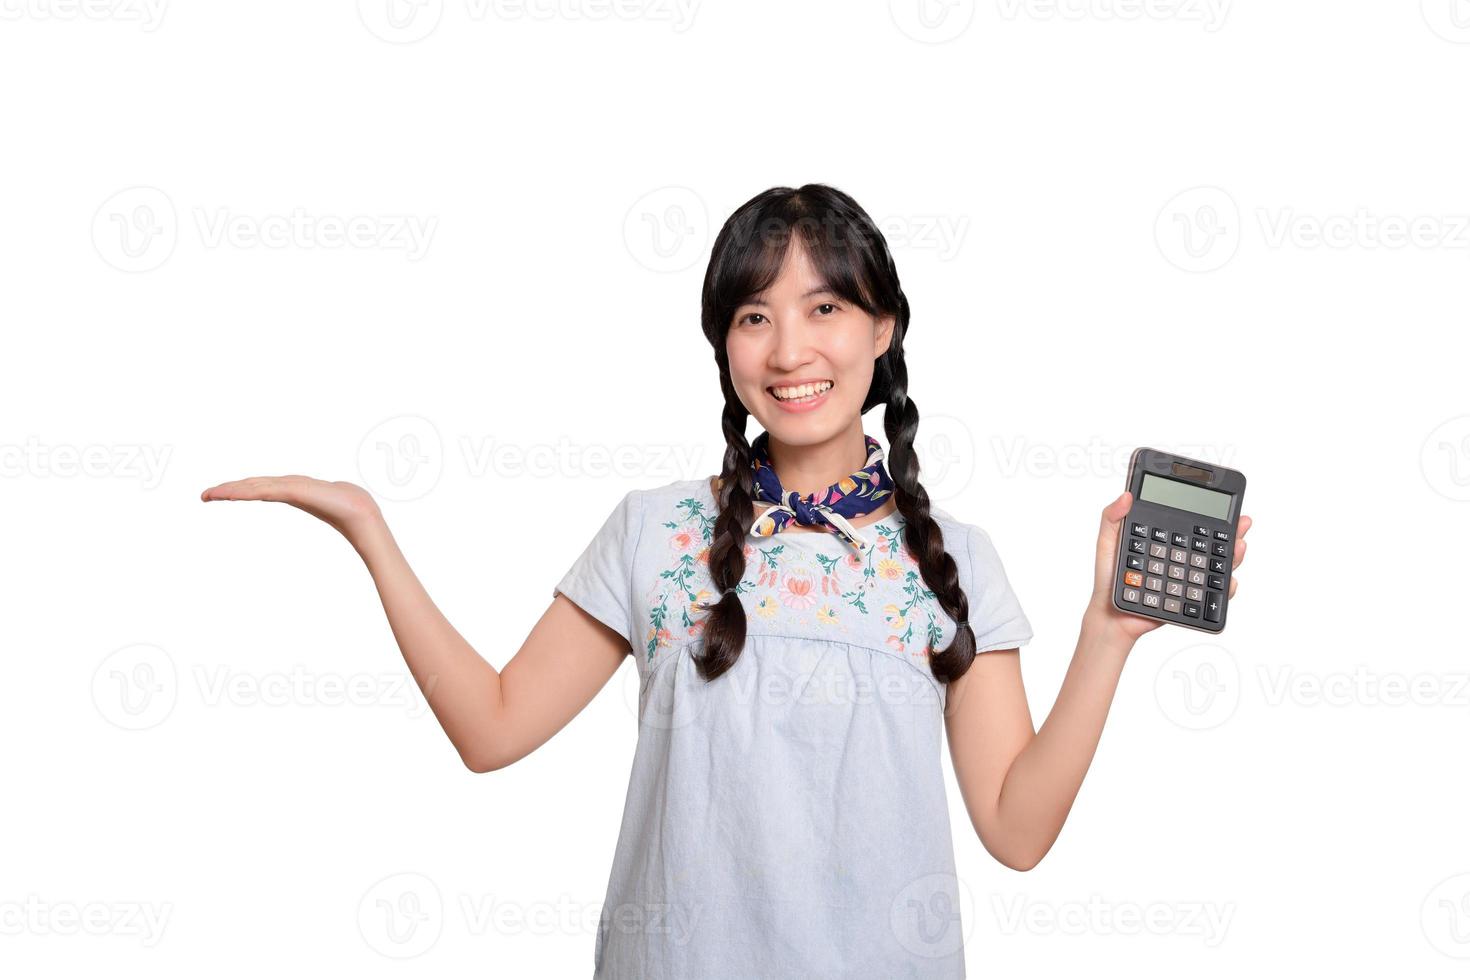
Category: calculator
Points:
column 1177, row 543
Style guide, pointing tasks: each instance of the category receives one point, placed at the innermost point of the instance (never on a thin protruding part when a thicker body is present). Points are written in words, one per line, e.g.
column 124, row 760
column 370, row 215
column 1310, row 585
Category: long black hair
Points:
column 851, row 255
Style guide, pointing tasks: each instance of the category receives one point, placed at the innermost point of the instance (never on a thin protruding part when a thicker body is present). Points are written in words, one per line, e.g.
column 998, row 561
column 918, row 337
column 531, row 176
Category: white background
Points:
column 1234, row 230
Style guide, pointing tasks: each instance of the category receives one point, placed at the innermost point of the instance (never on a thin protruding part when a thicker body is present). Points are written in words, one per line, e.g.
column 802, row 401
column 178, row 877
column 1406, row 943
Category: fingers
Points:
column 1233, row 583
column 1240, row 547
column 1242, row 526
column 253, row 488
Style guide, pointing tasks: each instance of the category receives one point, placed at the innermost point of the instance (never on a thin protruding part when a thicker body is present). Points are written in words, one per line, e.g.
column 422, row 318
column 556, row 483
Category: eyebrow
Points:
column 824, row 288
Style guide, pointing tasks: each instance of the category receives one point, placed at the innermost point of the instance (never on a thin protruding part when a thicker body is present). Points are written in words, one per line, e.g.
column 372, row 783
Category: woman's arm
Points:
column 1019, row 784
column 492, row 717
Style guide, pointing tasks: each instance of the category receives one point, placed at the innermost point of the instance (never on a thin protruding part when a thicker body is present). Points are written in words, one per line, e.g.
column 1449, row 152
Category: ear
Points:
column 884, row 335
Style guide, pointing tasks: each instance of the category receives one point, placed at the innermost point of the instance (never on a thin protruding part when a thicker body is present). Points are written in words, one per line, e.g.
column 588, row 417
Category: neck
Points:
column 813, row 467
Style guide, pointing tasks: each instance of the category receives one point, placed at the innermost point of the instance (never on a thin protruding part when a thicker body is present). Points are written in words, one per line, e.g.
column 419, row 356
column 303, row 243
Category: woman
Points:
column 804, row 625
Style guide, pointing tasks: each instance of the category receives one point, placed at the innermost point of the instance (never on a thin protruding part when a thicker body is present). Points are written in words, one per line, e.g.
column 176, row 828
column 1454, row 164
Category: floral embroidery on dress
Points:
column 826, row 590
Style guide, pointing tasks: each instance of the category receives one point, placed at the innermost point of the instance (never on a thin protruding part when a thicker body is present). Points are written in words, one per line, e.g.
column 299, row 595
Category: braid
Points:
column 922, row 535
column 724, row 628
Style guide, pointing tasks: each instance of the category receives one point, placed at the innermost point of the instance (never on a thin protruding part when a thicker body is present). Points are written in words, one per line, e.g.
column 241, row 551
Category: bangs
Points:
column 757, row 249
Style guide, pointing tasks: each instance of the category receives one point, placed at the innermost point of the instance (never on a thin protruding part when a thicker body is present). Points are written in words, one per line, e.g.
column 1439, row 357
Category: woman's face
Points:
column 797, row 332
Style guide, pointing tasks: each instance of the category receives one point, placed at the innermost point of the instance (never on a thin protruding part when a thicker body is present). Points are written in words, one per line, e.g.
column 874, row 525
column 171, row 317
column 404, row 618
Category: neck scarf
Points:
column 863, row 492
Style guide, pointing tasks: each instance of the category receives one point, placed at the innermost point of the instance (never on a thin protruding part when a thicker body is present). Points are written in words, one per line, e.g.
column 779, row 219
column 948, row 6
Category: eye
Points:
column 831, row 306
column 748, row 316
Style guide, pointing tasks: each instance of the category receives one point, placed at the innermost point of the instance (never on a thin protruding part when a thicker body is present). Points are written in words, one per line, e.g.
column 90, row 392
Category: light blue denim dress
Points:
column 787, row 819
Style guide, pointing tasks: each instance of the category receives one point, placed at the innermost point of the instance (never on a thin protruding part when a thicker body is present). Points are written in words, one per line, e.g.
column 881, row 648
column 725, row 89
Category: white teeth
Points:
column 801, row 391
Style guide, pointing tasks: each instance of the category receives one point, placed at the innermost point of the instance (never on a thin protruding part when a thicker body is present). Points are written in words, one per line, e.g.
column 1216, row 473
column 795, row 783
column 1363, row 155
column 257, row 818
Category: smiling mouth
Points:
column 810, row 393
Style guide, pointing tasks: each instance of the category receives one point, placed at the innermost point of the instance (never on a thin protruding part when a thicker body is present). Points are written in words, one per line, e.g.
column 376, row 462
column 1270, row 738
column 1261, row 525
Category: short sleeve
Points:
column 996, row 617
column 601, row 579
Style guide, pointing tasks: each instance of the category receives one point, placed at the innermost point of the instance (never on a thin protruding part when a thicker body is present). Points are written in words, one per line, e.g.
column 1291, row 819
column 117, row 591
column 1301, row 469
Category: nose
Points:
column 792, row 344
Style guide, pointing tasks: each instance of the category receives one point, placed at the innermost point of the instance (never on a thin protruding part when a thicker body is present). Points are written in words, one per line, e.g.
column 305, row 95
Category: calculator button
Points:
column 1174, row 588
column 1176, row 571
column 1153, row 584
column 1217, row 582
column 1132, row 578
column 1134, row 561
column 1151, row 599
column 1139, row 530
column 1179, row 540
column 1221, row 549
column 1201, row 530
column 1194, row 593
column 1178, row 554
column 1198, row 560
column 1158, row 550
column 1155, row 567
column 1160, row 534
column 1200, row 544
column 1137, row 547
column 1171, row 605
column 1222, row 536
column 1130, row 595
column 1217, row 565
column 1196, row 576
column 1190, row 609
column 1212, row 607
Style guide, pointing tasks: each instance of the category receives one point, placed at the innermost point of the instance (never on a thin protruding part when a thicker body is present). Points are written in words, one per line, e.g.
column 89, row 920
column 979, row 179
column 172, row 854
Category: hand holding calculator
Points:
column 1175, row 547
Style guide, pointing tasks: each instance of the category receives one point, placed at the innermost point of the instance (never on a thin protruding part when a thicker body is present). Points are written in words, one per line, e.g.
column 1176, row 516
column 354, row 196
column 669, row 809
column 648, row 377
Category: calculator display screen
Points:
column 1185, row 496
